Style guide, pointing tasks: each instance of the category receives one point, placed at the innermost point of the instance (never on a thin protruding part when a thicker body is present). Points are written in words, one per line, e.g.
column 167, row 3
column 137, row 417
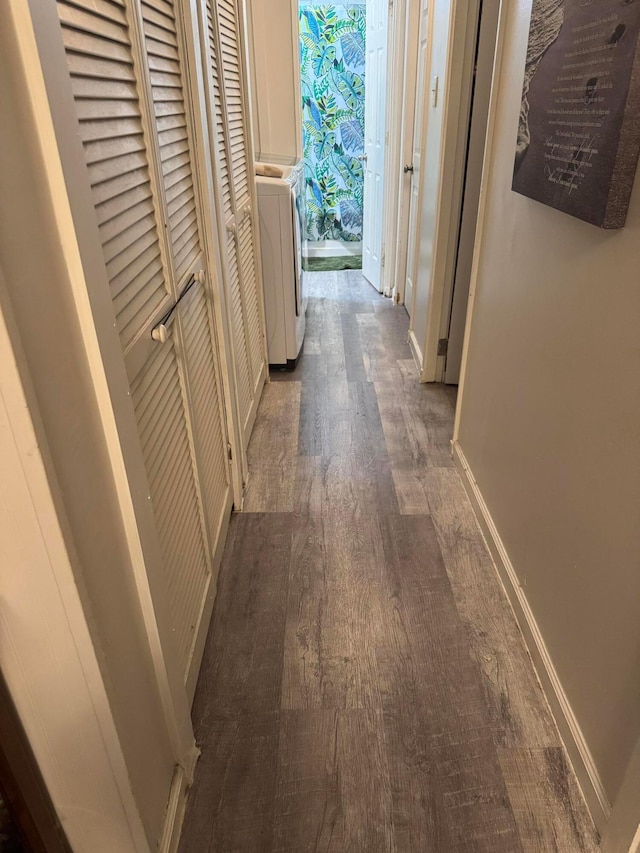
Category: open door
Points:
column 374, row 129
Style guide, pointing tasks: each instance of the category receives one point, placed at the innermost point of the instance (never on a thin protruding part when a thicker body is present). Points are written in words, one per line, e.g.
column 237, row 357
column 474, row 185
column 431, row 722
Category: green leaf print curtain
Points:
column 332, row 55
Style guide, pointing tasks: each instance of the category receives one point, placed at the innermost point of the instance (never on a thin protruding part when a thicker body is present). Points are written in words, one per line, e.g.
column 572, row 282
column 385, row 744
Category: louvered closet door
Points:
column 141, row 175
column 234, row 174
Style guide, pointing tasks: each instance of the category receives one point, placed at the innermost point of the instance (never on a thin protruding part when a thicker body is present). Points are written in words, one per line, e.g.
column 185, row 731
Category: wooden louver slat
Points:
column 216, row 81
column 165, row 70
column 100, row 61
column 206, row 407
column 250, row 290
column 159, row 408
column 229, row 28
column 243, row 370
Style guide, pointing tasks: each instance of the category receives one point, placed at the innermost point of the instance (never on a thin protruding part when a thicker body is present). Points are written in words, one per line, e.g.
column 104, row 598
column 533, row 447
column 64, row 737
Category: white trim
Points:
column 405, row 59
column 396, row 26
column 297, row 77
column 46, row 651
column 174, row 816
column 333, row 249
column 570, row 731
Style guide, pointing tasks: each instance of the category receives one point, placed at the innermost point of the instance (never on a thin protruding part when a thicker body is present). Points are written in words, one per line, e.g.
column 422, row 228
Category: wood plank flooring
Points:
column 365, row 688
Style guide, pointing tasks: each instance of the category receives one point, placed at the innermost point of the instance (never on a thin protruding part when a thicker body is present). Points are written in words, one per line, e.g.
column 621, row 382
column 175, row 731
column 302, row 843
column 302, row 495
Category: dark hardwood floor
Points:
column 365, row 687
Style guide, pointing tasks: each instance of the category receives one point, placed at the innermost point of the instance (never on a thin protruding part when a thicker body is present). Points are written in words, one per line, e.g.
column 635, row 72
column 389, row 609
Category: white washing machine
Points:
column 281, row 210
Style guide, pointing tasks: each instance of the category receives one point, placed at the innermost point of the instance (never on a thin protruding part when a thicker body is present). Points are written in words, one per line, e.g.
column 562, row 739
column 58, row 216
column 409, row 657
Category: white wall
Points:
column 550, row 427
column 275, row 85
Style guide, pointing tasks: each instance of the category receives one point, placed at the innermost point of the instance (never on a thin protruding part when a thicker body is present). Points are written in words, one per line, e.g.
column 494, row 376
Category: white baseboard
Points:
column 568, row 726
column 332, row 249
column 175, row 812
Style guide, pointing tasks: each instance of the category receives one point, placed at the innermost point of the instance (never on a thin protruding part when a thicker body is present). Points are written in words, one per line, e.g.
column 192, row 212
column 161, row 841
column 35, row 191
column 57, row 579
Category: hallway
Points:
column 364, row 685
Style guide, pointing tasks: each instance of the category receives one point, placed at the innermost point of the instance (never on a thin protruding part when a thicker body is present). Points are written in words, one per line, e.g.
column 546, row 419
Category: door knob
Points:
column 363, row 157
column 408, row 168
column 160, row 333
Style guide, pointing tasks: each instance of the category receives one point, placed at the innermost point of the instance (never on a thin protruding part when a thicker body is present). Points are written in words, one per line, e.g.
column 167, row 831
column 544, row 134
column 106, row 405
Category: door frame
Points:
column 478, row 121
column 370, row 9
column 401, row 95
column 458, row 82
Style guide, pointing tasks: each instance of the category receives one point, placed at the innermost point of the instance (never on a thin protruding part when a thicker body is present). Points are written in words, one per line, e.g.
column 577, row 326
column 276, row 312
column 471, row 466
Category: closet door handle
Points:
column 160, row 332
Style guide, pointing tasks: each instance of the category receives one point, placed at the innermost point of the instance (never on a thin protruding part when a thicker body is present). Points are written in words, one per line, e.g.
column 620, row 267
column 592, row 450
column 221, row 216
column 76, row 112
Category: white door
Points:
column 415, row 167
column 127, row 74
column 375, row 81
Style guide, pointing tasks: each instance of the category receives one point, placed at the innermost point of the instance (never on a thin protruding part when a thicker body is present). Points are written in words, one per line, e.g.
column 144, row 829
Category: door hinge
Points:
column 443, row 345
column 383, row 257
column 229, row 451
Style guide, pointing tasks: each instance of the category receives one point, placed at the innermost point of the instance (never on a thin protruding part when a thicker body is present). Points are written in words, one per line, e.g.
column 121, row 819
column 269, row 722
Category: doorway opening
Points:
column 343, row 86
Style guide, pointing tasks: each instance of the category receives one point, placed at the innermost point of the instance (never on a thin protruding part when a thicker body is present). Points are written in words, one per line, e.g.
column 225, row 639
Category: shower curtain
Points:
column 332, row 55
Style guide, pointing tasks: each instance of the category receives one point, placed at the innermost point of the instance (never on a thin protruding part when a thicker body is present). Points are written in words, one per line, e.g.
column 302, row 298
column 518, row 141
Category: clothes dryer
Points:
column 281, row 211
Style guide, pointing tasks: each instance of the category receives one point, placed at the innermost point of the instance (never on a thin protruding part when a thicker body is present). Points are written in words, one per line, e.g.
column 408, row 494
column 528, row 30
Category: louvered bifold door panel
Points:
column 100, row 61
column 222, row 162
column 237, row 141
column 139, row 161
column 157, row 395
column 165, row 70
column 206, row 407
column 239, row 330
column 234, row 99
